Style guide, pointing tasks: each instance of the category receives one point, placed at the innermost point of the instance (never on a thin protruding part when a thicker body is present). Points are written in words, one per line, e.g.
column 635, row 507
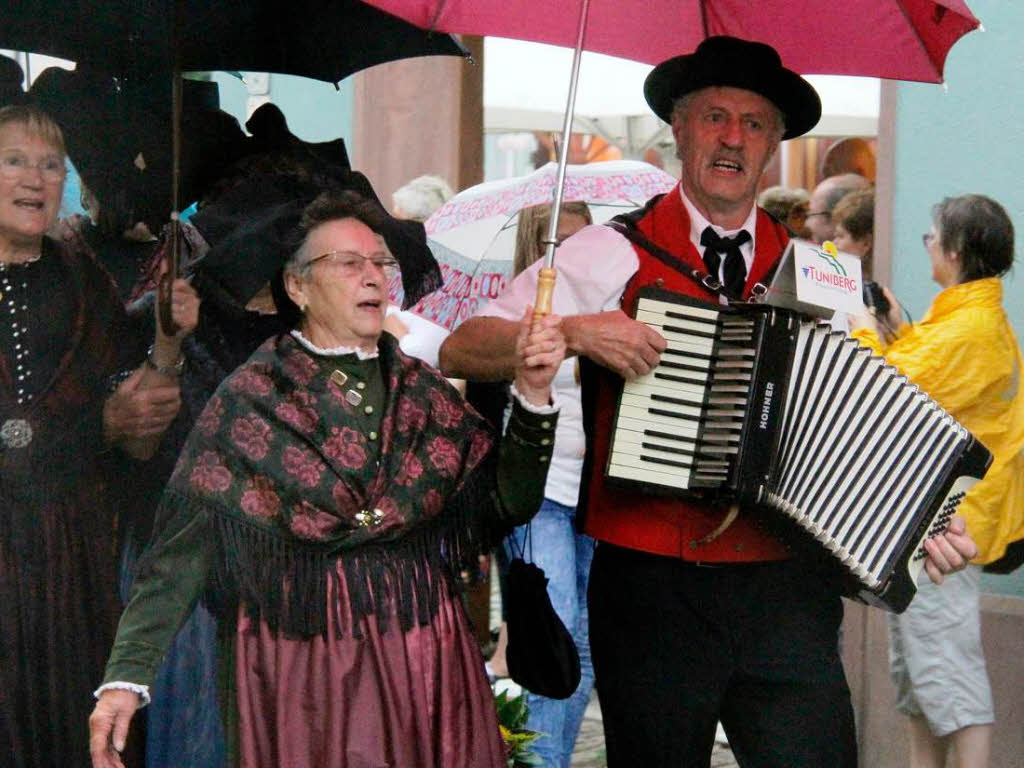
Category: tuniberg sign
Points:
column 817, row 280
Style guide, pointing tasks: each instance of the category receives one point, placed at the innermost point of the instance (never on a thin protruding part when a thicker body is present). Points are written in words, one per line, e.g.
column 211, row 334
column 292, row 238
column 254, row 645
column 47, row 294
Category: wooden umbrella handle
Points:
column 545, row 289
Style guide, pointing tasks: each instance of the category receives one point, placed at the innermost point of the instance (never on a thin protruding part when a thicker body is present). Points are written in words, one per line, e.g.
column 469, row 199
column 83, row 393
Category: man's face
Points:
column 819, row 219
column 725, row 137
column 797, row 220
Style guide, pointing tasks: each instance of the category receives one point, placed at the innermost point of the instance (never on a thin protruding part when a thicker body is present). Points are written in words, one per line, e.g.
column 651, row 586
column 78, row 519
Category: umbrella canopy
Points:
column 323, row 39
column 898, row 39
column 473, row 235
column 905, row 39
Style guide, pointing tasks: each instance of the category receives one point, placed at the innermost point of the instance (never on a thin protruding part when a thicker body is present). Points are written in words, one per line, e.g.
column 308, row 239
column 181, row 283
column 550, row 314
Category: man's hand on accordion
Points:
column 616, row 341
column 950, row 551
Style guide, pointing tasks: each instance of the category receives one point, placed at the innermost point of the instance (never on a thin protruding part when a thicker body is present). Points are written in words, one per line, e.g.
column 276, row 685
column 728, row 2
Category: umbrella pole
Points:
column 546, row 277
column 173, row 256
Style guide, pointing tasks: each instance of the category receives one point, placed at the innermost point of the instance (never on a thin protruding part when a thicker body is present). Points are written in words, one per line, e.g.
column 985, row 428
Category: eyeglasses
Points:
column 928, row 238
column 352, row 264
column 16, row 165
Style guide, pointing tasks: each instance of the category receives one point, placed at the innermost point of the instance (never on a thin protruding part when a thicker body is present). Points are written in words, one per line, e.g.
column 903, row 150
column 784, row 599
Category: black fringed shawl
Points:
column 291, row 487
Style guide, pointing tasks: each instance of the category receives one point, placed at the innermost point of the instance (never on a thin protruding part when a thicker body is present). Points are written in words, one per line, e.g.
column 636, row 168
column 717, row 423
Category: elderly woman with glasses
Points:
column 64, row 346
column 325, row 498
column 964, row 354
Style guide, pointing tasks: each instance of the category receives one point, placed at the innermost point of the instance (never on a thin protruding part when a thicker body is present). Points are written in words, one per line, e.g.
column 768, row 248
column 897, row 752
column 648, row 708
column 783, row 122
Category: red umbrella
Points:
column 897, row 39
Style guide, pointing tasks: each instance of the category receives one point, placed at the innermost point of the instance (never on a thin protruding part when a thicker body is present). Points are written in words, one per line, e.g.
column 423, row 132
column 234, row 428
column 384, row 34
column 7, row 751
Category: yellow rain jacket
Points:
column 965, row 355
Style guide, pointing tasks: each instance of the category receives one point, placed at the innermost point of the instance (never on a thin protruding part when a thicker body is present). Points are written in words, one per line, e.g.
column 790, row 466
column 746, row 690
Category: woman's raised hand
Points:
column 540, row 349
column 184, row 309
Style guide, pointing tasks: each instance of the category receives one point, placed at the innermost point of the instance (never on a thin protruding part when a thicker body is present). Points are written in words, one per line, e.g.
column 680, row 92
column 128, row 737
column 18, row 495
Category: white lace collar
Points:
column 332, row 351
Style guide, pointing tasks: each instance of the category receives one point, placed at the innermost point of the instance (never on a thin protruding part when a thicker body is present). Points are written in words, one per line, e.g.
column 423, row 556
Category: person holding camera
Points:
column 854, row 221
column 964, row 354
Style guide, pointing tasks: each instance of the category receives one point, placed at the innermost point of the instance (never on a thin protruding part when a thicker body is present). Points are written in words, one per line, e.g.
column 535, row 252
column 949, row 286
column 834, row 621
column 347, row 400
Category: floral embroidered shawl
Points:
column 292, row 487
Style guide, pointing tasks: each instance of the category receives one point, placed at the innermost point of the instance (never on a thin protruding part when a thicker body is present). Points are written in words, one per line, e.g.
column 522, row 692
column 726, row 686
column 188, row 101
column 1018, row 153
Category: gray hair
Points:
column 330, row 207
column 838, row 187
column 421, row 197
column 682, row 103
column 779, row 201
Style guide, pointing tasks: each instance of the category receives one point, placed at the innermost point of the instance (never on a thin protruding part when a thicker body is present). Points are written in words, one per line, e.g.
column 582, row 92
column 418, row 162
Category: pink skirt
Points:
column 416, row 699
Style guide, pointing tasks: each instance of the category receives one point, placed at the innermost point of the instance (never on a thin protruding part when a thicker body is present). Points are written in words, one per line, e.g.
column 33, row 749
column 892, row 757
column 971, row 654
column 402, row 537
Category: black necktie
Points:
column 735, row 271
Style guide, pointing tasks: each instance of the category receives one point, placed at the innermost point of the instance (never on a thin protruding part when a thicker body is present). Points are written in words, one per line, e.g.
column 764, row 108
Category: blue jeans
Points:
column 564, row 555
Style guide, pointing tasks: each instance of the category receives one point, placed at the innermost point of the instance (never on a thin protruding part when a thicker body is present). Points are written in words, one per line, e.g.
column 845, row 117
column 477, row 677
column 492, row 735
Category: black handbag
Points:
column 541, row 654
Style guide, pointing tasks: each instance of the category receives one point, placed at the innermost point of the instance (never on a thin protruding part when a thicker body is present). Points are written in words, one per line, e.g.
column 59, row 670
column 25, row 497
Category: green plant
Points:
column 512, row 713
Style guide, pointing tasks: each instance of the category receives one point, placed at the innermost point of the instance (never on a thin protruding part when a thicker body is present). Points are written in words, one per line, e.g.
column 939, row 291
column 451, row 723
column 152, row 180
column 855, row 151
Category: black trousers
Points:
column 678, row 647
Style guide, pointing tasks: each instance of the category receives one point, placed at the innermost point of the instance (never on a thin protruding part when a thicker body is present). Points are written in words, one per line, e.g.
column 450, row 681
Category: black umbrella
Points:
column 144, row 43
column 322, row 39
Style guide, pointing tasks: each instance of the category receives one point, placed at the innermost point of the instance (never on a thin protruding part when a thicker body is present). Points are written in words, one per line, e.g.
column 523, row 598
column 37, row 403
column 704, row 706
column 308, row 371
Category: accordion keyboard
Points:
column 680, row 425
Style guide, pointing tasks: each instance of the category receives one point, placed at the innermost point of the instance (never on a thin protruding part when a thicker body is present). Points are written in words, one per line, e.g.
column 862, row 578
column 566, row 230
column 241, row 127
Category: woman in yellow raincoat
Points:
column 965, row 355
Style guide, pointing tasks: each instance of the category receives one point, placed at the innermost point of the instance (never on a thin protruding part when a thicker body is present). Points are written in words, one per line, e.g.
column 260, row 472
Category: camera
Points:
column 874, row 297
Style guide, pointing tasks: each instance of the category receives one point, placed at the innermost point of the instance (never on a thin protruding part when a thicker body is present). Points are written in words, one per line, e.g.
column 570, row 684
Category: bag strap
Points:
column 698, row 276
column 521, row 550
column 626, row 225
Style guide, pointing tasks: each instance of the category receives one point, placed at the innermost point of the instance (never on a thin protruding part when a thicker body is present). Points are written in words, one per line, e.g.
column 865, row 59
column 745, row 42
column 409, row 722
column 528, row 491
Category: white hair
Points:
column 421, row 197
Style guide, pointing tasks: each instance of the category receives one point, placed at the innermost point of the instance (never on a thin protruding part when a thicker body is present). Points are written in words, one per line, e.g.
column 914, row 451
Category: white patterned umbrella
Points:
column 473, row 235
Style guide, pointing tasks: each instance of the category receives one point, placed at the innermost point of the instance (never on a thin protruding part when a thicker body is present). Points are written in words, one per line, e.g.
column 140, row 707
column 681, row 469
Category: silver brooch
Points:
column 16, row 433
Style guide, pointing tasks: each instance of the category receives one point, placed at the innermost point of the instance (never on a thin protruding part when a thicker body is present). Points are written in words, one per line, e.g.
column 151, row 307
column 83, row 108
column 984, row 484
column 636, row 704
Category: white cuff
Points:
column 538, row 409
column 117, row 685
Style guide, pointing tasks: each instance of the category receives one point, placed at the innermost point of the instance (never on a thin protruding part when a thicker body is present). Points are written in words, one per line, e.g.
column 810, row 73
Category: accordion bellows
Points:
column 760, row 406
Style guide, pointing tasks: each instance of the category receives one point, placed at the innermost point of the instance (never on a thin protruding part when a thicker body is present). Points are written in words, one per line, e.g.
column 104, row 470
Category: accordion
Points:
column 760, row 406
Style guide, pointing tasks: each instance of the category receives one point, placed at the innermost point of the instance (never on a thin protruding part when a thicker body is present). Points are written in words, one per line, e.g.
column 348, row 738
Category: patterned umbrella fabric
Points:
column 473, row 235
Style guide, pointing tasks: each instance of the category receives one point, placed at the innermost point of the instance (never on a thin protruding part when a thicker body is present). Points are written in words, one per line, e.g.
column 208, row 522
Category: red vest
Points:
column 650, row 523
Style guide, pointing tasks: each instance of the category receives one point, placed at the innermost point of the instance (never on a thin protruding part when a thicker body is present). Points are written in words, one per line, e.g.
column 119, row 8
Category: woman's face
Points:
column 945, row 265
column 847, row 243
column 342, row 309
column 569, row 224
column 30, row 187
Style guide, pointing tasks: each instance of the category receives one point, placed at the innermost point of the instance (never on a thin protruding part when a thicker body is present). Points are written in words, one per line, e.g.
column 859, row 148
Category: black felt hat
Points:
column 252, row 231
column 11, row 76
column 118, row 135
column 735, row 63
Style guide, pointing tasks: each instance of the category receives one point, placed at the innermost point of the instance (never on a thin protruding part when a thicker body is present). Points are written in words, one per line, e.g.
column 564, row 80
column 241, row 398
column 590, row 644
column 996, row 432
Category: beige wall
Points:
column 420, row 116
column 880, row 729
